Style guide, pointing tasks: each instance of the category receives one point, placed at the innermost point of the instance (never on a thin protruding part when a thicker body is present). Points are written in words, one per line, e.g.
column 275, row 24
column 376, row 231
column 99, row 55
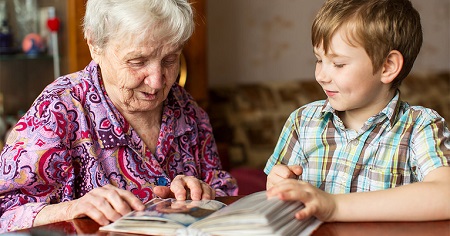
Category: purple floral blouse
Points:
column 73, row 140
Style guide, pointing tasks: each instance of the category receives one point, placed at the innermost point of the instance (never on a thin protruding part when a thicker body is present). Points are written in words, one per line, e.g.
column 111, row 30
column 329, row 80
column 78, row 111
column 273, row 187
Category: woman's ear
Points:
column 93, row 49
column 392, row 66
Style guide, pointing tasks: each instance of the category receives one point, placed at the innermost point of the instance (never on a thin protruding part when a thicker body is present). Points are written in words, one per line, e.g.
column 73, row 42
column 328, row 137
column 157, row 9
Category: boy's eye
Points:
column 338, row 65
column 318, row 61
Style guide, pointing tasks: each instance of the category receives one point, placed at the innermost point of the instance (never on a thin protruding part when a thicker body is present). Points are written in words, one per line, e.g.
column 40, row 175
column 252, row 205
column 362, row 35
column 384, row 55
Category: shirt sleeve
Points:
column 430, row 144
column 287, row 145
column 33, row 166
column 20, row 217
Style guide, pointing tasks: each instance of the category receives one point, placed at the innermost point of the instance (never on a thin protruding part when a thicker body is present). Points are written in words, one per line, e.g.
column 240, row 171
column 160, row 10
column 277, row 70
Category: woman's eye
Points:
column 136, row 62
column 339, row 65
column 170, row 61
column 318, row 61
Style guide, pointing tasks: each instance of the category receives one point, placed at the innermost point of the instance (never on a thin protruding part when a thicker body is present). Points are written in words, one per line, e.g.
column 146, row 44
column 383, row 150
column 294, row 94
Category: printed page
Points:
column 164, row 216
column 257, row 215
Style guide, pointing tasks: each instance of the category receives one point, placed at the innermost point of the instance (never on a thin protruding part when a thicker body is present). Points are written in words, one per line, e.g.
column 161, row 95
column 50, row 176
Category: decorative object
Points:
column 53, row 26
column 26, row 17
column 32, row 44
column 5, row 32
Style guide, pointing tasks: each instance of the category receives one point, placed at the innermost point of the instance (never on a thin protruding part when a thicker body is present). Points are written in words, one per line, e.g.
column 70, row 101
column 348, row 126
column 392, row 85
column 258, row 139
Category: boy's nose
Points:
column 321, row 75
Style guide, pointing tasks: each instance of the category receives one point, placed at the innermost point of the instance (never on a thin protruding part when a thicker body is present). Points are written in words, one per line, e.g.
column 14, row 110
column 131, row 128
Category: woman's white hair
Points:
column 167, row 20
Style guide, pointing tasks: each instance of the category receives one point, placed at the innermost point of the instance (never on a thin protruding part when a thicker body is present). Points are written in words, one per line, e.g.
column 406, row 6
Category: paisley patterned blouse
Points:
column 73, row 140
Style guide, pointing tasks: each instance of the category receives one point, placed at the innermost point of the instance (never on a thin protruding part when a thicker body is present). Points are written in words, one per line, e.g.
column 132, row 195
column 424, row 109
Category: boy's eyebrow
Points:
column 333, row 55
column 330, row 55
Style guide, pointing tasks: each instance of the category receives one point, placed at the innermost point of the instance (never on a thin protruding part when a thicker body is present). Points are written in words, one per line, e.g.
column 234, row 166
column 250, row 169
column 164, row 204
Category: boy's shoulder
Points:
column 412, row 114
column 418, row 114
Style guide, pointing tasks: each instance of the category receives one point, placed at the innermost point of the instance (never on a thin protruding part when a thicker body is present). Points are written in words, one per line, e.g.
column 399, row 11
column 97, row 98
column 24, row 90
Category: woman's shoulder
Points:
column 182, row 103
column 72, row 91
column 80, row 81
column 179, row 97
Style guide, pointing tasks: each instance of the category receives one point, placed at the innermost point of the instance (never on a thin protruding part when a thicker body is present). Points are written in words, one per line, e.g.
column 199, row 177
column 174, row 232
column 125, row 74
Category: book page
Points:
column 255, row 214
column 164, row 216
column 182, row 212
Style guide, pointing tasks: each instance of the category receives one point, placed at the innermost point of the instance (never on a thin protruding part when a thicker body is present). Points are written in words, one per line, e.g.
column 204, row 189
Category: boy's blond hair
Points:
column 379, row 26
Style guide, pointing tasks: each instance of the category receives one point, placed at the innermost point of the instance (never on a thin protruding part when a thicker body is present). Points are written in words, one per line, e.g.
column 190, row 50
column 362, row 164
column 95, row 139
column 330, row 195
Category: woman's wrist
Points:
column 53, row 213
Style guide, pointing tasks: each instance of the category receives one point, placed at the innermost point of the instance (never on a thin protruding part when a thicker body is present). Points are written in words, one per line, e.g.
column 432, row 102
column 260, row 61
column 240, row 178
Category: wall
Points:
column 269, row 40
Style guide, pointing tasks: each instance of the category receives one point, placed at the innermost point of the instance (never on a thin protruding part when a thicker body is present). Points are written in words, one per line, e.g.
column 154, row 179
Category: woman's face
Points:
column 138, row 76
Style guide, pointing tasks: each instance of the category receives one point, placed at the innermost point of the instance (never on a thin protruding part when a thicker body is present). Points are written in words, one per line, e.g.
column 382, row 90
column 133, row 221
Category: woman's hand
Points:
column 103, row 205
column 317, row 202
column 280, row 172
column 184, row 187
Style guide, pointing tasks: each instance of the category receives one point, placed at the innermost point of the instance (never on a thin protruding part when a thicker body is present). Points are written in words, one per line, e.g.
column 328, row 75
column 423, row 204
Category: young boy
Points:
column 364, row 154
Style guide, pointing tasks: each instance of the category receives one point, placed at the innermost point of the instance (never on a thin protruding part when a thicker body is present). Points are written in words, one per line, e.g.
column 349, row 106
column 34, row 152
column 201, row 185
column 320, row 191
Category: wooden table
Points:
column 87, row 226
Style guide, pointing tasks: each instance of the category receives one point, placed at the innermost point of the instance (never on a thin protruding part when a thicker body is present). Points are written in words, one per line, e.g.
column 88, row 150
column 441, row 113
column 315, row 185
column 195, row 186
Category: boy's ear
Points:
column 392, row 66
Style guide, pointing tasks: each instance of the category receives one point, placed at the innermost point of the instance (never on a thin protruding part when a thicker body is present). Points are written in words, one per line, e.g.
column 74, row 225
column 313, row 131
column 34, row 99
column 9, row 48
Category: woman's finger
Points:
column 123, row 200
column 208, row 192
column 178, row 187
column 195, row 187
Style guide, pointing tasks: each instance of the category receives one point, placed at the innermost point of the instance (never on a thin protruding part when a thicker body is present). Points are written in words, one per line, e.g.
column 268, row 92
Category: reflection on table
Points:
column 86, row 226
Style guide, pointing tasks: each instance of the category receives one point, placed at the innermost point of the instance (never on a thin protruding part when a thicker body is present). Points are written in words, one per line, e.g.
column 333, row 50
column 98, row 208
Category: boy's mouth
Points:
column 330, row 93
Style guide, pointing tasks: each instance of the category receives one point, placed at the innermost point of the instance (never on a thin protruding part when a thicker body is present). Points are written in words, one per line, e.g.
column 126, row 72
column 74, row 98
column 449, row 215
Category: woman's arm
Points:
column 104, row 205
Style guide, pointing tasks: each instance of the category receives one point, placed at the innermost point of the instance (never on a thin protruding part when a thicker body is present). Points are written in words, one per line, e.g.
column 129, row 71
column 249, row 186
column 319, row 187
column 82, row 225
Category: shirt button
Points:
column 162, row 181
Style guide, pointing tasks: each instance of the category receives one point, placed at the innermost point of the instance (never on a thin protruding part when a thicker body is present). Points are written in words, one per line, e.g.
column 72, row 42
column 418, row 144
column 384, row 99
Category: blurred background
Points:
column 266, row 40
column 261, row 67
column 249, row 63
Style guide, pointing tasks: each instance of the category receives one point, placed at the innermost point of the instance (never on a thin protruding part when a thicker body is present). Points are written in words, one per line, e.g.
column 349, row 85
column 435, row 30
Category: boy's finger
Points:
column 296, row 169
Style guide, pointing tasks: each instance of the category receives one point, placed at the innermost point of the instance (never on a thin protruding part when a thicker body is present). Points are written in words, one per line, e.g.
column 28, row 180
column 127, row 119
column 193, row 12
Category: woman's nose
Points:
column 154, row 77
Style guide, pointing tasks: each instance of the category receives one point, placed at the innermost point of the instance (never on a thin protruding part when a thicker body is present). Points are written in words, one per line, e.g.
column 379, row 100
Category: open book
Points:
column 251, row 215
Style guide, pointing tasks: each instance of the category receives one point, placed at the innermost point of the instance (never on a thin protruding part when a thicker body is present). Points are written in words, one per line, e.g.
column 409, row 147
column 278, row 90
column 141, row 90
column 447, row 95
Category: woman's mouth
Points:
column 149, row 96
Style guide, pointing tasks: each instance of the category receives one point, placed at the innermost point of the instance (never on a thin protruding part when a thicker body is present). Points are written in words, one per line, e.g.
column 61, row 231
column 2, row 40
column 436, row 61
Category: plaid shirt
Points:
column 400, row 145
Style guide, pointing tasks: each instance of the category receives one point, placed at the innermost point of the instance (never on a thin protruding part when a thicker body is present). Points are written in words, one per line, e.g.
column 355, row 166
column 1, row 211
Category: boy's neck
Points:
column 351, row 120
column 355, row 119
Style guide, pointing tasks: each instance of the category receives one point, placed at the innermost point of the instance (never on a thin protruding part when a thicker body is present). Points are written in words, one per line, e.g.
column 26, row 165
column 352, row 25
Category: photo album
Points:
column 253, row 214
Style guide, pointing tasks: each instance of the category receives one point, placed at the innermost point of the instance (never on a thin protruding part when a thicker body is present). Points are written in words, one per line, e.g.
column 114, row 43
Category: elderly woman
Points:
column 102, row 141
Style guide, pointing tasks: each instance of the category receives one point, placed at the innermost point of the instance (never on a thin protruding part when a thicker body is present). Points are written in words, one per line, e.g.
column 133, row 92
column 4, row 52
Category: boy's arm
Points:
column 420, row 201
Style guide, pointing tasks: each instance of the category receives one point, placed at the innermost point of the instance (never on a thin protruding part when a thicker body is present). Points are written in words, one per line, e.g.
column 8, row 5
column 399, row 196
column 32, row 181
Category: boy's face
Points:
column 346, row 76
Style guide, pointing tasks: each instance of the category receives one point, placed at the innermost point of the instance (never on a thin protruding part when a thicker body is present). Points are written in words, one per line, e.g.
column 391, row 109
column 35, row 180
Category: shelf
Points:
column 23, row 56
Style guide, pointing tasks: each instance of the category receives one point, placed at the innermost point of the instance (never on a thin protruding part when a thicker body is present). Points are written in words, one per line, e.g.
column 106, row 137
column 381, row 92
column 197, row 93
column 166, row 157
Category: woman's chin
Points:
column 141, row 107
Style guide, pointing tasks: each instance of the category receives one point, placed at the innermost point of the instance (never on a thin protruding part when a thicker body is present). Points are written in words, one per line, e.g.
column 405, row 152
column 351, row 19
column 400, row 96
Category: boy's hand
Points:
column 318, row 203
column 280, row 172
